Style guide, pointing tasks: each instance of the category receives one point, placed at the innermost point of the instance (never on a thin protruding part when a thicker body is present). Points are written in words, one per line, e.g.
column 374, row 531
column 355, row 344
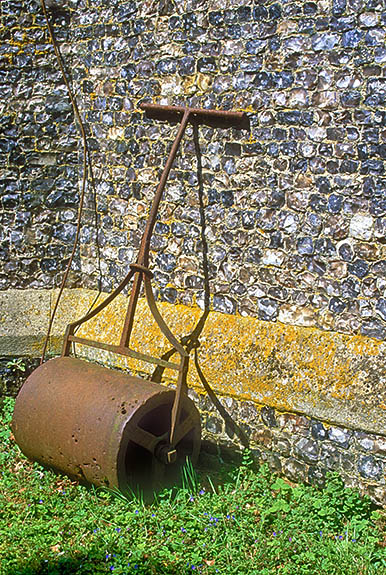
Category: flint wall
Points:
column 280, row 229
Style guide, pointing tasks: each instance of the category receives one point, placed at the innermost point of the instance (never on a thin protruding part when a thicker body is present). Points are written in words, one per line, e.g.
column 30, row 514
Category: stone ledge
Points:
column 332, row 377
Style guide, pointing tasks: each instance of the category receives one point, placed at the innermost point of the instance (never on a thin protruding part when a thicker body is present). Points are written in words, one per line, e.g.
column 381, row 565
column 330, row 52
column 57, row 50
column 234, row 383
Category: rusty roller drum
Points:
column 102, row 426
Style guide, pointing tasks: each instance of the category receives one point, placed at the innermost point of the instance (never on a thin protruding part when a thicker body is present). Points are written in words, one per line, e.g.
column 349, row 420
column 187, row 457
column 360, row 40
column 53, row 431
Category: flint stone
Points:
column 305, row 246
column 340, row 436
column 295, row 470
column 65, row 232
column 381, row 308
column 316, row 476
column 365, row 441
column 267, row 309
column 380, row 55
column 224, row 304
column 324, row 41
column 248, row 410
column 336, row 305
column 339, row 7
column 273, row 461
column 374, row 328
column 268, row 416
column 295, row 315
column 369, row 19
column 213, row 425
column 362, row 227
column 380, row 445
column 352, row 38
column 329, row 455
column 369, row 467
column 318, row 431
column 262, row 436
column 273, row 258
column 283, row 446
column 359, row 268
column 294, row 424
column 379, row 269
column 350, row 288
column 296, row 44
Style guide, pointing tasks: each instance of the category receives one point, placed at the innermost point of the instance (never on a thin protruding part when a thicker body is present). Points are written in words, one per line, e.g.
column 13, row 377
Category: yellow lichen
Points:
column 273, row 363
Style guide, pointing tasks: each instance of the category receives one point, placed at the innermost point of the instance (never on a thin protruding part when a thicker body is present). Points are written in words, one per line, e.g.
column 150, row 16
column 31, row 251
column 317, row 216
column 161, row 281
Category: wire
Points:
column 84, row 176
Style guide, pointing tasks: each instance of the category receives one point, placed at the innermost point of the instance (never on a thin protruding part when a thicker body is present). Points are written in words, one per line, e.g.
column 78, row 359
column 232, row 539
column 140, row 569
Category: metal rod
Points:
column 129, row 319
column 181, row 389
column 143, row 256
column 86, row 167
column 160, row 320
column 123, row 351
column 159, row 111
column 94, row 312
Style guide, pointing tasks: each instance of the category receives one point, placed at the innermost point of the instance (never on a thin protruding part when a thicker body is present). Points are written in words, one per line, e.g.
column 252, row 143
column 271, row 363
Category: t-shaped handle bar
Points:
column 215, row 118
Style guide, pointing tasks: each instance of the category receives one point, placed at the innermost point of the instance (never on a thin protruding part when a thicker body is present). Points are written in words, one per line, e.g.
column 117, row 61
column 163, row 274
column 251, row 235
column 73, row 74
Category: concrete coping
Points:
column 337, row 378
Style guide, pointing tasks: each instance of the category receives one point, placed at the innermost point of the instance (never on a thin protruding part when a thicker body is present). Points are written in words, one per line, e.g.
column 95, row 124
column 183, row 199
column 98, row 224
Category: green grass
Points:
column 249, row 523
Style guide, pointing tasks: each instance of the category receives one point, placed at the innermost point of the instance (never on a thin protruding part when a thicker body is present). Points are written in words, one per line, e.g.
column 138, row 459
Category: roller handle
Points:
column 196, row 115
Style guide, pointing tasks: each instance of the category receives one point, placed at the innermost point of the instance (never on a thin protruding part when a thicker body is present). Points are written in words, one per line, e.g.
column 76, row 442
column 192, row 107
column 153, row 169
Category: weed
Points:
column 16, row 365
column 189, row 477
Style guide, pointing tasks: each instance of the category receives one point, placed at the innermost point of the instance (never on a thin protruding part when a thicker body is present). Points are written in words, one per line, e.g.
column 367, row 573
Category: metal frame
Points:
column 139, row 270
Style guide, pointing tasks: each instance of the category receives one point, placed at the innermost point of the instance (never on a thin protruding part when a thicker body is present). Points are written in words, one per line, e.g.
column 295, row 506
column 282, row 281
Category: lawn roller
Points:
column 102, row 426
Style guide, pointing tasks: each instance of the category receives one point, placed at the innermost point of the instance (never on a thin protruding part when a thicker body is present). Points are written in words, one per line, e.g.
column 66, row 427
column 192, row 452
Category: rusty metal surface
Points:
column 215, row 118
column 126, row 351
column 99, row 425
